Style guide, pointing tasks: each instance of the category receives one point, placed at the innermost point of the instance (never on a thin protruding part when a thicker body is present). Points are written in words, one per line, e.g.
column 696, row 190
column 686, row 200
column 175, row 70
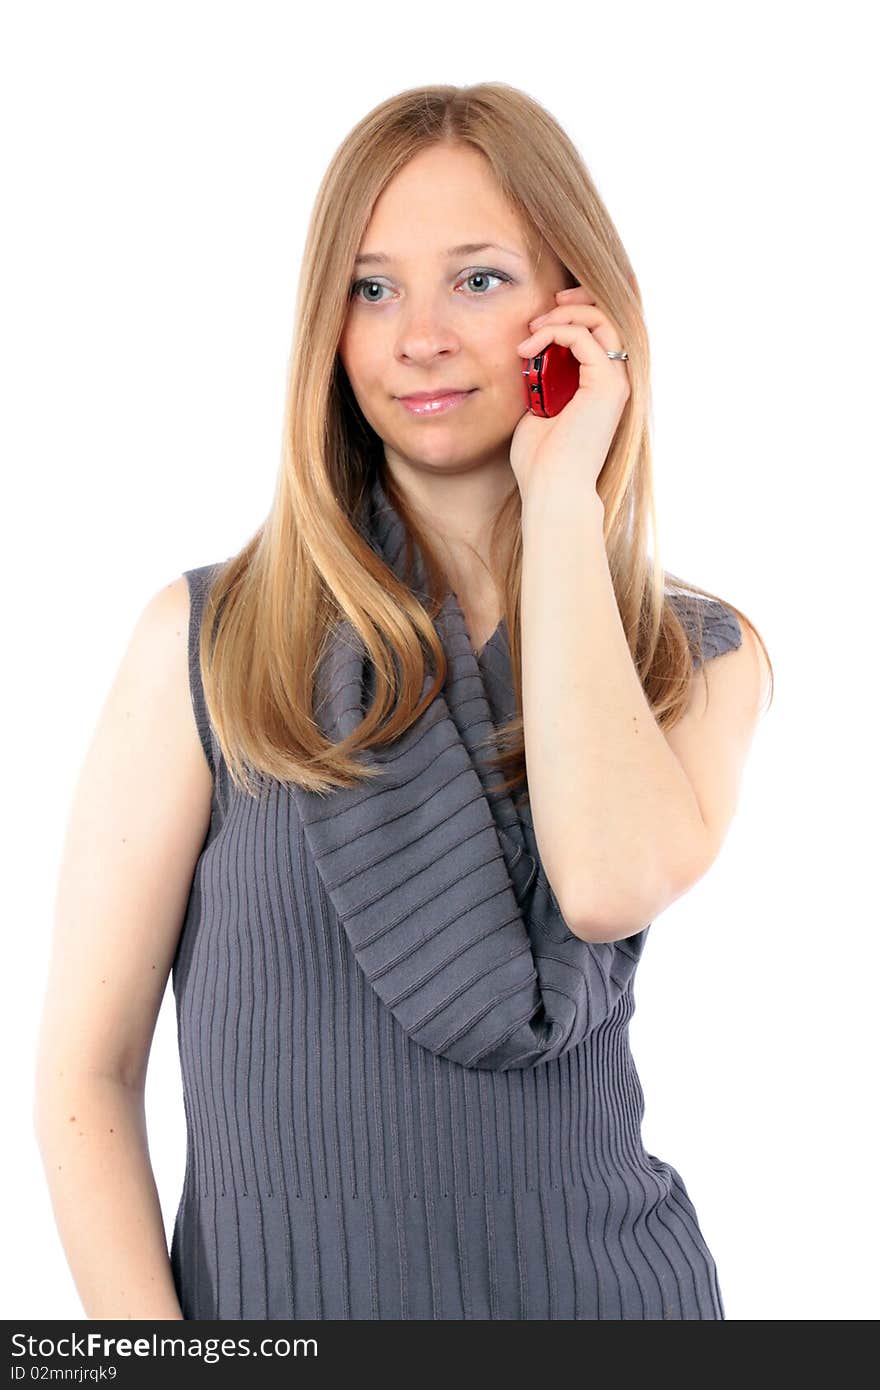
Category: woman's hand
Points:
column 573, row 445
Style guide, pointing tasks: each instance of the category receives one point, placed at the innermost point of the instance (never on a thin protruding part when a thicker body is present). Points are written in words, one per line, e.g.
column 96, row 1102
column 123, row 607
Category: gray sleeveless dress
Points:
column 408, row 1087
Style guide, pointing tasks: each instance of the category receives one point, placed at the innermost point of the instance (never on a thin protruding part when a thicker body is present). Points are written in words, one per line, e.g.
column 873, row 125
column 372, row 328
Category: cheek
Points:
column 353, row 351
column 499, row 355
column 508, row 372
column 363, row 363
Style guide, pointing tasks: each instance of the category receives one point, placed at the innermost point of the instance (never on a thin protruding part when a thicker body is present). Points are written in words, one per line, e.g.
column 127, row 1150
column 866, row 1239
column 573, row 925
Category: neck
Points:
column 457, row 513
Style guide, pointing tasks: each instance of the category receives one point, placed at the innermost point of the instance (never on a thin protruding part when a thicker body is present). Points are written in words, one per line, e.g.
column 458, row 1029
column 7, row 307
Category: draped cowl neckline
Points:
column 435, row 872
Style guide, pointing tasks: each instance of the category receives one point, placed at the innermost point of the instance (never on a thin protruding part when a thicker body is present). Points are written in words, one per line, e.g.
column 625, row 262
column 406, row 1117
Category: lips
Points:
column 435, row 403
column 436, row 395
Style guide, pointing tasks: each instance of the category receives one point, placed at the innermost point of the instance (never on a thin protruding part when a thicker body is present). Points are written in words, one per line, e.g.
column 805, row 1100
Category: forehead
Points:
column 443, row 201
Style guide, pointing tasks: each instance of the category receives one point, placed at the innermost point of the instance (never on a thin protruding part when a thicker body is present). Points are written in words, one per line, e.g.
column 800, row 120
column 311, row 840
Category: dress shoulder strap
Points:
column 712, row 627
column 199, row 581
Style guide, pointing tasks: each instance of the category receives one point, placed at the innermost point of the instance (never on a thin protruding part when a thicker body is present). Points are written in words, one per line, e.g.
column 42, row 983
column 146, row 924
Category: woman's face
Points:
column 426, row 320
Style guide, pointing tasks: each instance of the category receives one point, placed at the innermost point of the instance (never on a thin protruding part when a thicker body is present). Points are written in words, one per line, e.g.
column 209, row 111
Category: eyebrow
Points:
column 467, row 248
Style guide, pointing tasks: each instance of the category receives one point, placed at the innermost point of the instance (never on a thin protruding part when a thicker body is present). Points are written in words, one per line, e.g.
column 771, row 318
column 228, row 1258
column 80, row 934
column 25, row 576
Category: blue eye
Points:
column 490, row 274
column 357, row 285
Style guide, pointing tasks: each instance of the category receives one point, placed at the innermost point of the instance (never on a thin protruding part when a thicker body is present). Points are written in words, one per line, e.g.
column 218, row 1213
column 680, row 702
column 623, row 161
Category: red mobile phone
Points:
column 551, row 379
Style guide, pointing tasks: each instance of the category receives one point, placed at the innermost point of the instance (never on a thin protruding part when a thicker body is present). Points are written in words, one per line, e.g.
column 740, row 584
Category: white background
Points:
column 159, row 162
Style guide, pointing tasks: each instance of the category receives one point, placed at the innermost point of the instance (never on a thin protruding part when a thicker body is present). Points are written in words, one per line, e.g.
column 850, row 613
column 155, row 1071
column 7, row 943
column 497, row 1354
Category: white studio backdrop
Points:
column 159, row 164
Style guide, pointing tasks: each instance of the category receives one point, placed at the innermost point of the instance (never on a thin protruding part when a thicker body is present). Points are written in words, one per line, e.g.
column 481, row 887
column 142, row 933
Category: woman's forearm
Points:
column 92, row 1137
column 614, row 812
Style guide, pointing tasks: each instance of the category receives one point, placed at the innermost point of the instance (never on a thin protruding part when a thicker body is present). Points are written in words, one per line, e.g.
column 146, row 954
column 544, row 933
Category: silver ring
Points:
column 621, row 356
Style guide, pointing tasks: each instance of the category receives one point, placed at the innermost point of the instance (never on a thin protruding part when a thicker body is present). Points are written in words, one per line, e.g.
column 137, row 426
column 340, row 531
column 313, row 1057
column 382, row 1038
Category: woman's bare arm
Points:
column 138, row 820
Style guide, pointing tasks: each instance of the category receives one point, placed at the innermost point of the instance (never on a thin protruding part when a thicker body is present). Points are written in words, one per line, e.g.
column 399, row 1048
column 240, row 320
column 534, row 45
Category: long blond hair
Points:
column 272, row 607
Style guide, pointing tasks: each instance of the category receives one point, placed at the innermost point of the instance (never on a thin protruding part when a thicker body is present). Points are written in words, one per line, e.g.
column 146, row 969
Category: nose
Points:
column 424, row 330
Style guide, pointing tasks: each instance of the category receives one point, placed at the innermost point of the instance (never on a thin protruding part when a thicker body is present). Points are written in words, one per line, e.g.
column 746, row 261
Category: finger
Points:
column 588, row 345
column 575, row 293
column 563, row 313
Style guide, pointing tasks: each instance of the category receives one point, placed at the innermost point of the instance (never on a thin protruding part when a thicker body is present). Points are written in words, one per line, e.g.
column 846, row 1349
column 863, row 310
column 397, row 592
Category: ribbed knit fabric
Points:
column 408, row 1086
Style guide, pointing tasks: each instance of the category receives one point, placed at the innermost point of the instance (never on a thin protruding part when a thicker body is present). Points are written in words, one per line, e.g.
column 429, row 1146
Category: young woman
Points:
column 442, row 743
